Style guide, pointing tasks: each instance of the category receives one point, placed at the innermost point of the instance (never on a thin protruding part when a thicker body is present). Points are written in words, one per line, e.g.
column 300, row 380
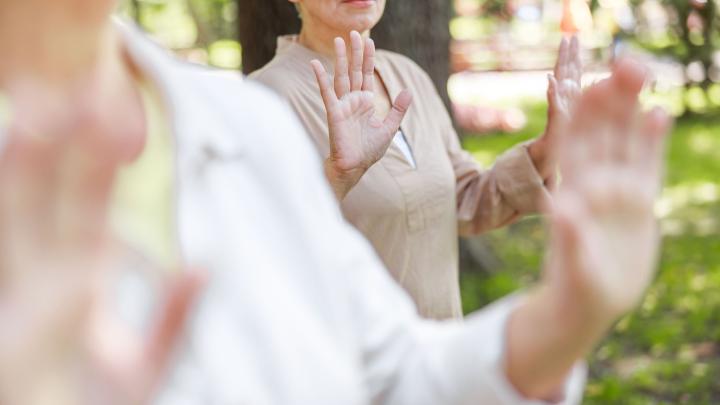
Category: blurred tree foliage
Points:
column 692, row 37
column 214, row 19
column 207, row 29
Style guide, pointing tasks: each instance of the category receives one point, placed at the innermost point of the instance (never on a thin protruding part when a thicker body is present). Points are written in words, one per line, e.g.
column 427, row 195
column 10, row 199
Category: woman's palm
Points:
column 358, row 139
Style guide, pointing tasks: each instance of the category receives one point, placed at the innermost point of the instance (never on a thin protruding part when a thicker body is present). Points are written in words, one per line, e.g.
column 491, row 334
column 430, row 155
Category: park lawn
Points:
column 668, row 351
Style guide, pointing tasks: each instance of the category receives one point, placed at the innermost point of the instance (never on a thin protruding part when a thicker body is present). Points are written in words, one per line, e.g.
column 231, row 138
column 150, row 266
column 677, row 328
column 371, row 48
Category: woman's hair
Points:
column 260, row 23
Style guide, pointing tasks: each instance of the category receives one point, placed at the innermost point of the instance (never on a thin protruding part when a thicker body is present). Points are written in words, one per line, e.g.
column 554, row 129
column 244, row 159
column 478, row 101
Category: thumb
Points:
column 130, row 368
column 181, row 295
column 399, row 109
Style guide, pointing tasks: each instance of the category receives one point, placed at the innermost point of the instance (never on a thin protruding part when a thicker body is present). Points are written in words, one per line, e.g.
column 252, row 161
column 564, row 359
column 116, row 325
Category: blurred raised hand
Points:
column 605, row 236
column 57, row 167
column 358, row 138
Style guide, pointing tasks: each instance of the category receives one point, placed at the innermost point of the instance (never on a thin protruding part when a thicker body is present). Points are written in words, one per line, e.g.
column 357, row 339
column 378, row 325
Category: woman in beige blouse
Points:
column 410, row 188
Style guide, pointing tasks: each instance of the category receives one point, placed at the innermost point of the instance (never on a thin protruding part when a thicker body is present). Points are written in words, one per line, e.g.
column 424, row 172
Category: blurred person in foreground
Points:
column 408, row 187
column 294, row 307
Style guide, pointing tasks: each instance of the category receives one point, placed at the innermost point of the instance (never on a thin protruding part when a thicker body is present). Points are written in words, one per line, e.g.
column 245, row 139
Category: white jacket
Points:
column 299, row 310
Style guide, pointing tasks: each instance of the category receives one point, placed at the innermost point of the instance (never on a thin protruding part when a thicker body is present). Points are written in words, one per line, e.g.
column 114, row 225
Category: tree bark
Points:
column 260, row 22
column 421, row 31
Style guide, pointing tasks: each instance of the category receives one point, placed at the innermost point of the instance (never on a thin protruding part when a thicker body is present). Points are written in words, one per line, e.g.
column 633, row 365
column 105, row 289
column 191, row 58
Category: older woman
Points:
column 410, row 188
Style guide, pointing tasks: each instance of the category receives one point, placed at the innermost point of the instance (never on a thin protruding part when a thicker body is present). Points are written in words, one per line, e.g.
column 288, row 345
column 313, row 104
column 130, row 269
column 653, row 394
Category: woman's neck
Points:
column 320, row 38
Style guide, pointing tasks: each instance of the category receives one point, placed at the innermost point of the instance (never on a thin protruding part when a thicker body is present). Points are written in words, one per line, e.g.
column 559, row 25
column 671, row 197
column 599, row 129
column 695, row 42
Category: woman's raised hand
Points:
column 57, row 165
column 358, row 138
column 605, row 237
column 564, row 89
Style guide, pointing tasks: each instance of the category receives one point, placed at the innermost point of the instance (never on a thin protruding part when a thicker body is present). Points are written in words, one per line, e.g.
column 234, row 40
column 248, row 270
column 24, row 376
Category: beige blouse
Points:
column 412, row 216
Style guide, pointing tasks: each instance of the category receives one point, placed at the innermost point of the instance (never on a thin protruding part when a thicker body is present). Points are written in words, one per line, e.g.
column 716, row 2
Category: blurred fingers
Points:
column 183, row 292
column 630, row 76
column 576, row 59
column 562, row 60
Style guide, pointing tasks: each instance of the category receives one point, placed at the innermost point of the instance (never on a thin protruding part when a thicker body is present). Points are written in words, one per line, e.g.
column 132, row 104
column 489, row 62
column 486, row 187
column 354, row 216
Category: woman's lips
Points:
column 359, row 3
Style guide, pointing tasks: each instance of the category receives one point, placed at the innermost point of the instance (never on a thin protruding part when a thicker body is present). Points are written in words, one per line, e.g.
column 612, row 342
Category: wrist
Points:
column 341, row 181
column 538, row 154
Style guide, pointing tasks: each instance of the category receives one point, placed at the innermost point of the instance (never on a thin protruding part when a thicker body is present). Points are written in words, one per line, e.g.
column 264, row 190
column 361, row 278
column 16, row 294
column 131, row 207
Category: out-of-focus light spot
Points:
column 678, row 197
column 713, row 92
column 698, row 282
column 699, row 370
column 696, row 72
column 702, row 142
column 225, row 54
column 696, row 99
column 485, row 158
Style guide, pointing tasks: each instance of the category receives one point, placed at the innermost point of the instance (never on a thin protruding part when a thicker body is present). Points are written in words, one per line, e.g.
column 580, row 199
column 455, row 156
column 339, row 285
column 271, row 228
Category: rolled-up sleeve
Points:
column 488, row 199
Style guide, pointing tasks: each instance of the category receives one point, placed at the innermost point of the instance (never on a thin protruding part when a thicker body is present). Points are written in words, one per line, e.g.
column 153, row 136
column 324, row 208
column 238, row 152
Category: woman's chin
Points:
column 361, row 23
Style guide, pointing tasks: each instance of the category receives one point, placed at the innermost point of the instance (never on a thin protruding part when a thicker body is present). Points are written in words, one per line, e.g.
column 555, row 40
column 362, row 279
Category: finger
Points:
column 356, row 61
column 559, row 121
column 342, row 80
column 630, row 75
column 599, row 120
column 326, row 91
column 552, row 94
column 369, row 66
column 397, row 113
column 182, row 294
column 561, row 63
column 622, row 106
column 576, row 60
column 586, row 146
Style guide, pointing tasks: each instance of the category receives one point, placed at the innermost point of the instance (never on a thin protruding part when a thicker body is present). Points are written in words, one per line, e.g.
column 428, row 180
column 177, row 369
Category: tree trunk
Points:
column 136, row 10
column 421, row 31
column 260, row 22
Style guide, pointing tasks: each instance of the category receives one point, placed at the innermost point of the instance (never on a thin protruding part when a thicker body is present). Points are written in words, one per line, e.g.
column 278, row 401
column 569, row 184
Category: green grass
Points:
column 668, row 351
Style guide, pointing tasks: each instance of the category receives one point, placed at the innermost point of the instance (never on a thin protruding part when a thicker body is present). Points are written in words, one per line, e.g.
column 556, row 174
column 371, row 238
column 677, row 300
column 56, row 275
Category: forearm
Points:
column 546, row 336
column 511, row 189
column 540, row 156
